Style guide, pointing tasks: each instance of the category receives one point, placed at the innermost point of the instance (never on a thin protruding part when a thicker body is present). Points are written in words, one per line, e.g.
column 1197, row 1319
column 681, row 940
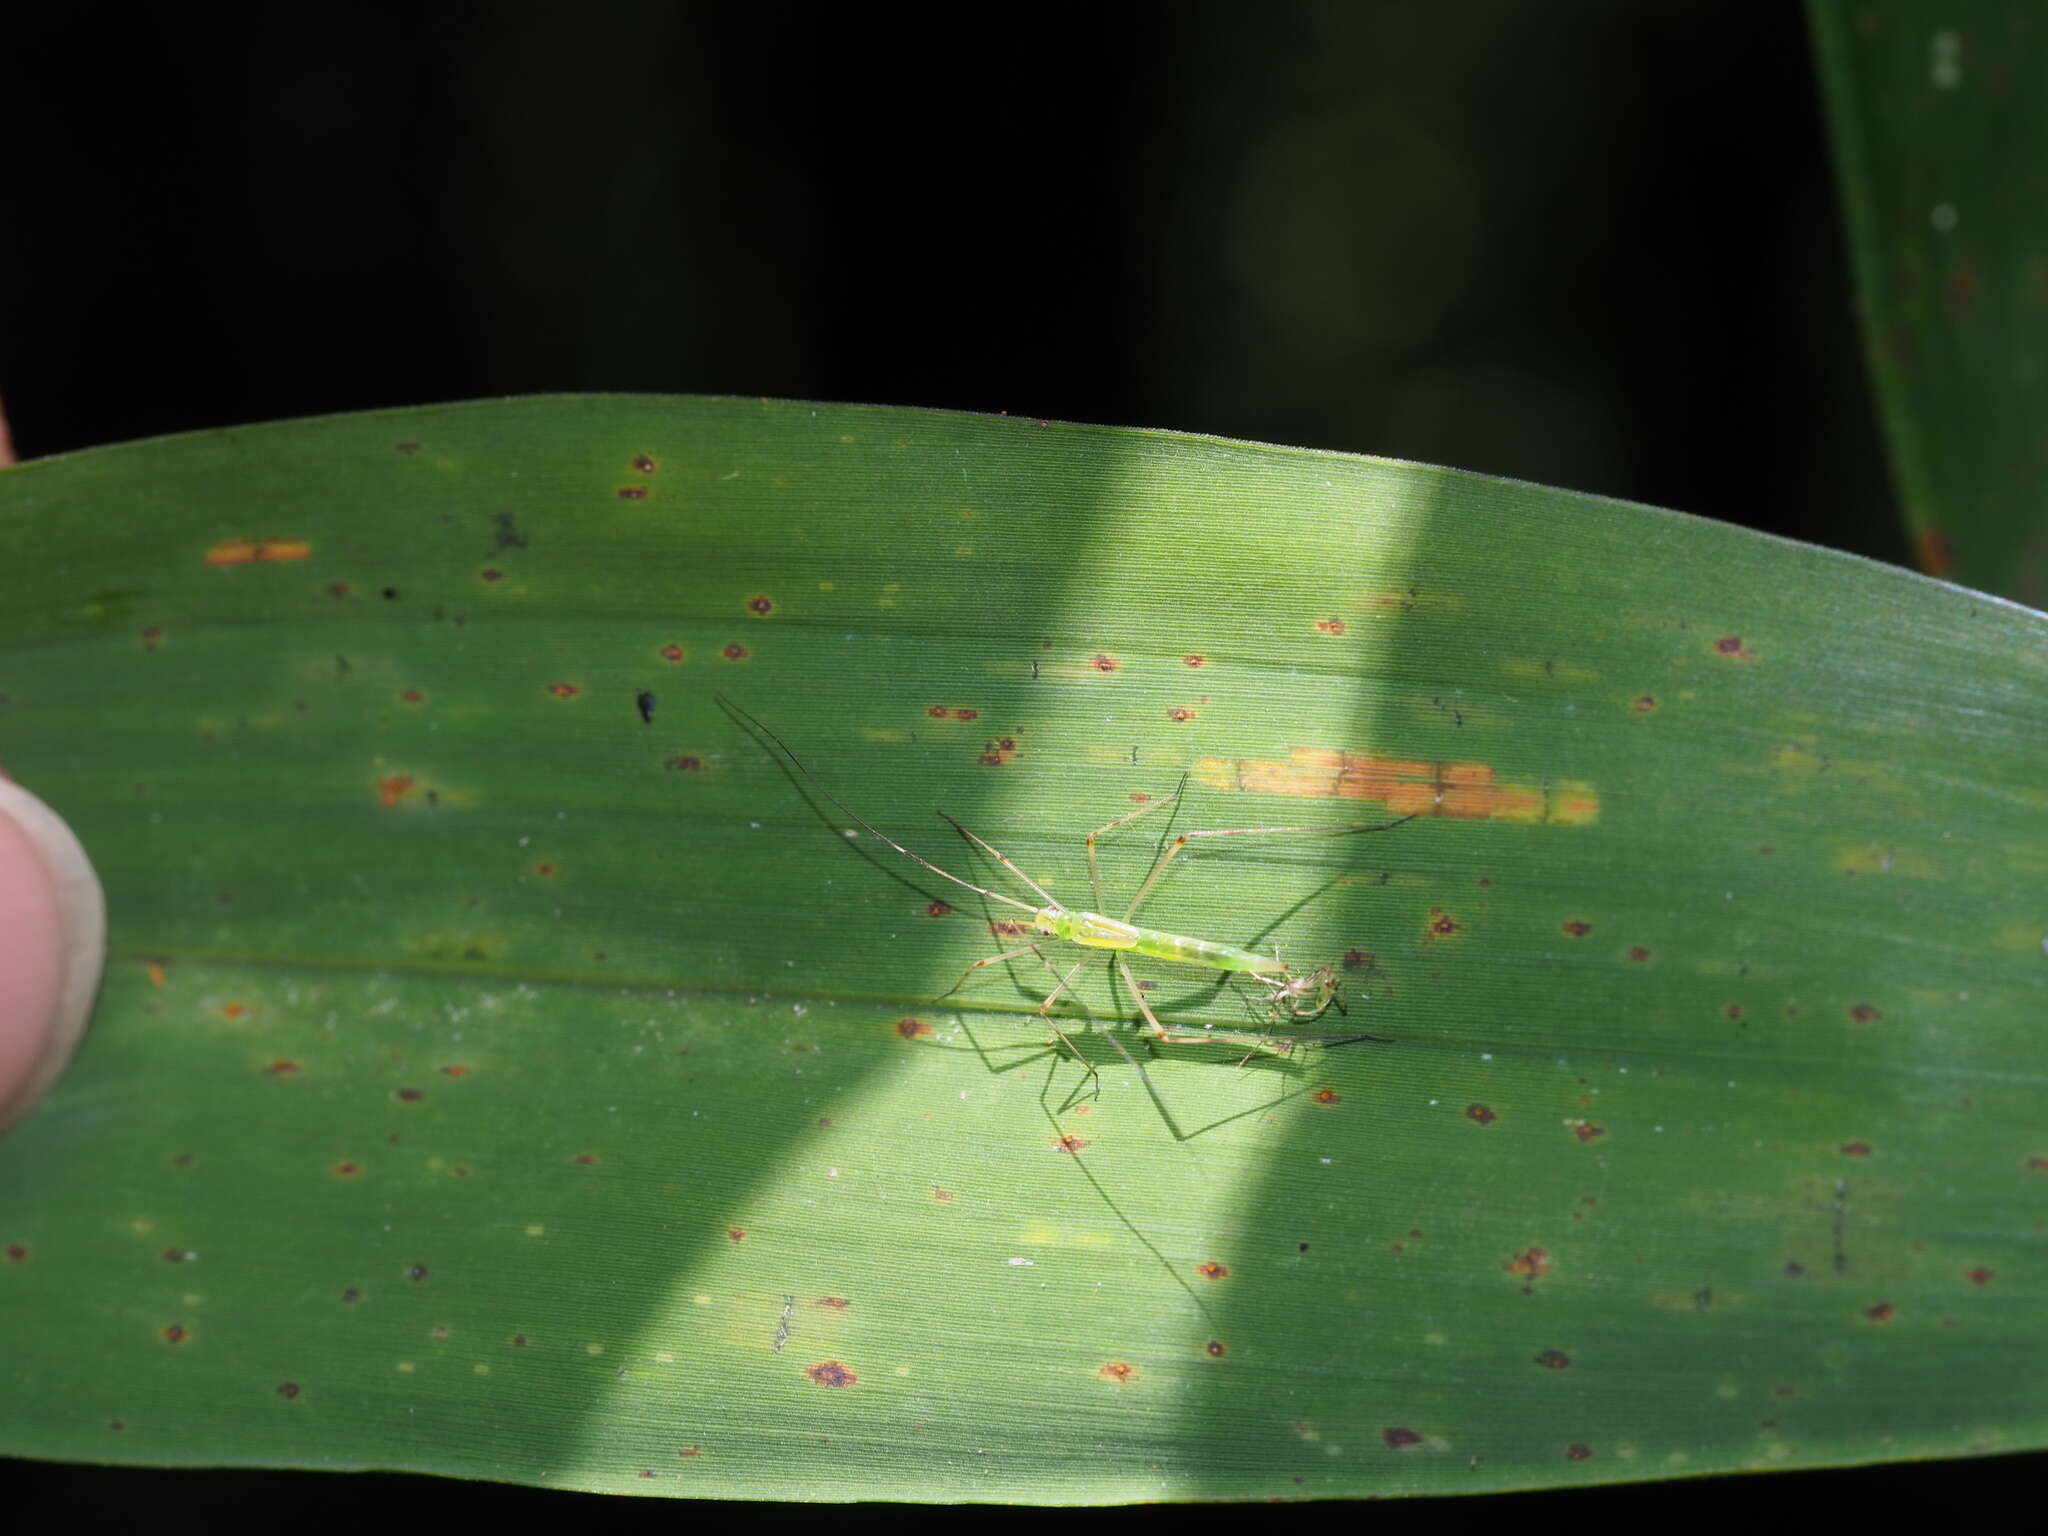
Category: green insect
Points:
column 1305, row 996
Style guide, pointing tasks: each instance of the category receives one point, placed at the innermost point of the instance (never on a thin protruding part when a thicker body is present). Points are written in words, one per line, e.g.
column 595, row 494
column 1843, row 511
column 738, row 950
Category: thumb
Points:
column 53, row 945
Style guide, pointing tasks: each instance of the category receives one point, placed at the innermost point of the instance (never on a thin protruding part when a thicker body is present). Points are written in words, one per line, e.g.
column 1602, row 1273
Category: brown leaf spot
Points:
column 1554, row 1359
column 287, row 1389
column 644, row 463
column 1215, row 1349
column 673, row 652
column 687, row 764
column 1586, row 1130
column 1120, row 1372
column 1210, row 1270
column 1863, row 1013
column 1399, row 1437
column 734, row 653
column 1326, row 1096
column 258, row 551
column 1732, row 647
column 1638, row 954
column 1578, row 1451
column 761, row 605
column 1068, row 1143
column 1193, row 660
column 1180, row 715
column 632, row 493
column 1643, row 705
column 564, row 690
column 1883, row 1312
column 1855, row 1149
column 174, row 1333
column 1480, row 1114
column 913, row 1029
column 1330, row 626
column 830, row 1373
column 1441, row 925
column 1104, row 663
column 1532, row 1263
column 1578, row 928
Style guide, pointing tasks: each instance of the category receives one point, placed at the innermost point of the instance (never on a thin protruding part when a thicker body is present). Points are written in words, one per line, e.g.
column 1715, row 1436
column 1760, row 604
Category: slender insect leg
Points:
column 1152, row 879
column 1110, row 1034
column 1045, row 1013
column 1001, row 858
column 1166, row 1036
column 1185, row 838
column 1094, row 868
column 1331, row 831
column 1008, row 954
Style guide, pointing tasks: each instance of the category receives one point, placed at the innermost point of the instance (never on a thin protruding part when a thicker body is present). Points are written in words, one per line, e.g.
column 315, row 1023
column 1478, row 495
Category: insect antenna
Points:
column 858, row 820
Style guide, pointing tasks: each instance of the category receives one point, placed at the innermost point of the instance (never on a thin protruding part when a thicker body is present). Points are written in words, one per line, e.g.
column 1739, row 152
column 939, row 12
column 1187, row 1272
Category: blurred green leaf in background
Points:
column 1939, row 118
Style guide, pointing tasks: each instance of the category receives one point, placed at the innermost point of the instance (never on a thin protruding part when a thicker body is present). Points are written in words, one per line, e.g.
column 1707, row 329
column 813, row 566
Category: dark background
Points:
column 1588, row 242
column 1592, row 243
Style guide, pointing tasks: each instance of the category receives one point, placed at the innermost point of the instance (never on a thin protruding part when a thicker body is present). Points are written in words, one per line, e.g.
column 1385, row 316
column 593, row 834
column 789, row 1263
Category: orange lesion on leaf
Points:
column 258, row 551
column 1405, row 786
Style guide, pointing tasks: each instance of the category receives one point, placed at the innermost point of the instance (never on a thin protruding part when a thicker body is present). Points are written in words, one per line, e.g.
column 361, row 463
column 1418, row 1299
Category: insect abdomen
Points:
column 1192, row 951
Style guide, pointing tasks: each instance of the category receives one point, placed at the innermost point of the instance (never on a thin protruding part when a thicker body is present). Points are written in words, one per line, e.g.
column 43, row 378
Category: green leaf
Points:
column 1939, row 122
column 490, row 1080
